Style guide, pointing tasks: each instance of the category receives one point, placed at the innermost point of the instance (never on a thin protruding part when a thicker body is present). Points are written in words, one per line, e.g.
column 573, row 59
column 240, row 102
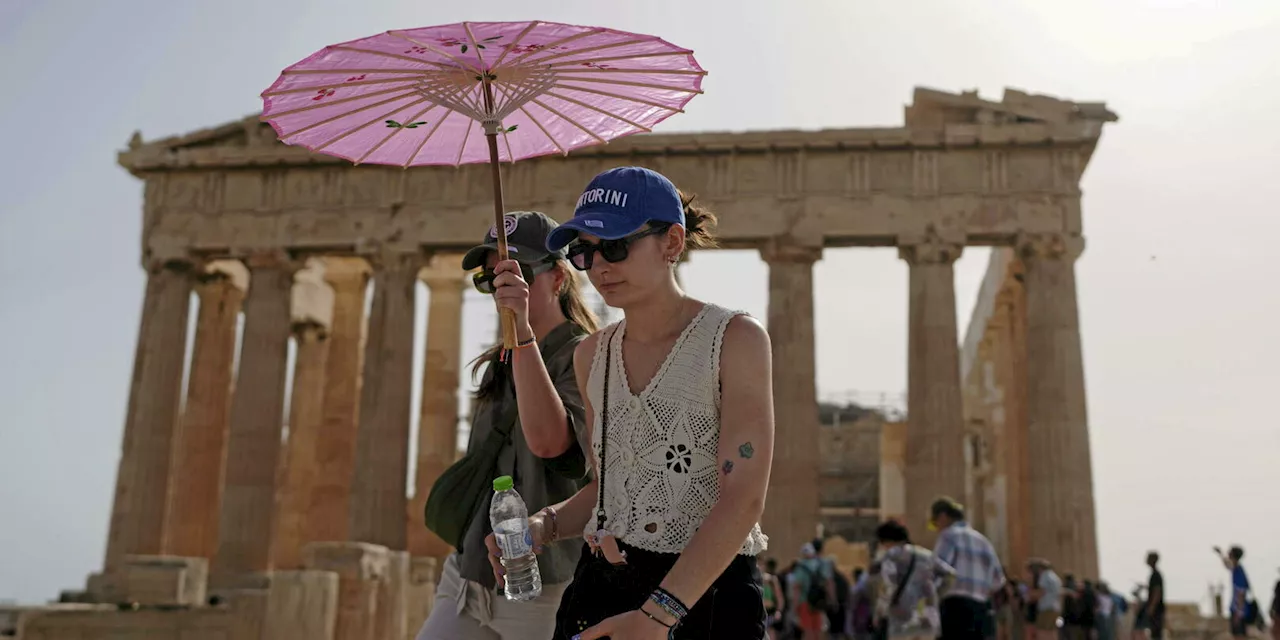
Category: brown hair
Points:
column 698, row 225
column 574, row 307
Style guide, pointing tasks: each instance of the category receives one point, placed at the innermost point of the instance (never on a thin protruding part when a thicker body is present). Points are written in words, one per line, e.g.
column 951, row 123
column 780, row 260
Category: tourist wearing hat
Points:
column 529, row 394
column 679, row 393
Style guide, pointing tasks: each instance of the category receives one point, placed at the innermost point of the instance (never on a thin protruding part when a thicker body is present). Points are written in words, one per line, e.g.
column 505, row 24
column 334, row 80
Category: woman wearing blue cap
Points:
column 679, row 399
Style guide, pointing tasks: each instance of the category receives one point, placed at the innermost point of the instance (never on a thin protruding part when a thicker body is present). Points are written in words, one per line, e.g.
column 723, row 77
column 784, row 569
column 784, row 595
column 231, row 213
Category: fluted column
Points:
column 378, row 491
column 1061, row 513
column 336, row 451
column 438, row 423
column 142, row 480
column 312, row 310
column 246, row 522
column 791, row 510
column 935, row 462
column 201, row 446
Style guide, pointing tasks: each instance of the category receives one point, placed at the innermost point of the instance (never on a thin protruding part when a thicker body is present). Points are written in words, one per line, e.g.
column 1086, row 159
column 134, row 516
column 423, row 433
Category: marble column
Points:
column 1009, row 363
column 791, row 510
column 438, row 423
column 336, row 451
column 378, row 490
column 142, row 480
column 935, row 462
column 312, row 309
column 200, row 451
column 246, row 518
column 1061, row 515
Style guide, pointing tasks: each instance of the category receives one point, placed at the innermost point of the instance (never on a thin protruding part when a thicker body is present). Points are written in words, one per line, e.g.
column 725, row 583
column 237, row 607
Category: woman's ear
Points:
column 674, row 242
column 561, row 276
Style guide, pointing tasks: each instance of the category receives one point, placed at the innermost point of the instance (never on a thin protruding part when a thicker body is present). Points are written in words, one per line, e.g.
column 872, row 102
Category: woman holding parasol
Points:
column 679, row 399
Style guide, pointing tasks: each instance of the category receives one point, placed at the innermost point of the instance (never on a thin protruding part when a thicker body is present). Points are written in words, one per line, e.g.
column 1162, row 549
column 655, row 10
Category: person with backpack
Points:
column 812, row 589
column 910, row 576
column 1244, row 609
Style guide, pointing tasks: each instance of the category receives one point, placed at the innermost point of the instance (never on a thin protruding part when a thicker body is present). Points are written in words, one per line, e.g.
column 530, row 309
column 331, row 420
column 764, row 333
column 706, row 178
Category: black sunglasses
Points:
column 582, row 254
column 483, row 280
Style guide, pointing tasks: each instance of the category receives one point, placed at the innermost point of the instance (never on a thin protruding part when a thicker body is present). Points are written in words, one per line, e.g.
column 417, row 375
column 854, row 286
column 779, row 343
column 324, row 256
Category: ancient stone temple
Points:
column 231, row 520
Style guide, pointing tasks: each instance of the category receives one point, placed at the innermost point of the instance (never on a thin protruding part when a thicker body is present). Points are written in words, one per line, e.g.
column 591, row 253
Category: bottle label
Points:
column 515, row 540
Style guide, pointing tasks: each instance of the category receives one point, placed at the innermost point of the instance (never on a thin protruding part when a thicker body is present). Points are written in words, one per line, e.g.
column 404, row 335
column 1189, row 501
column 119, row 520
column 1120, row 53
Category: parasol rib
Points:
column 660, row 54
column 462, row 148
column 599, row 47
column 556, row 43
column 338, row 71
column 621, row 97
column 343, row 115
column 314, row 87
column 461, row 63
column 598, row 110
column 466, row 26
column 506, row 49
column 570, row 121
column 330, row 103
column 394, row 132
column 430, row 133
column 679, row 72
column 550, row 137
column 371, row 121
column 384, row 54
column 637, row 84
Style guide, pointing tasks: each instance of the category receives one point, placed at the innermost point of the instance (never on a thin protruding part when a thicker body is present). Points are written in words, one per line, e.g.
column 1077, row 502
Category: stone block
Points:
column 153, row 580
column 361, row 570
column 301, row 605
column 392, row 594
column 421, row 593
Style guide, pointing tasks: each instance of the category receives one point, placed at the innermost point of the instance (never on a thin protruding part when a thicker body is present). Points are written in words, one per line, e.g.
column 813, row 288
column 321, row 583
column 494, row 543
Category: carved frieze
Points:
column 839, row 193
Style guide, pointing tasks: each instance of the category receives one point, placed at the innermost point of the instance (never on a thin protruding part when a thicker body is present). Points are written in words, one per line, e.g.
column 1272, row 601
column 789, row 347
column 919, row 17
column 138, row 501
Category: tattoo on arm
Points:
column 746, row 450
column 727, row 467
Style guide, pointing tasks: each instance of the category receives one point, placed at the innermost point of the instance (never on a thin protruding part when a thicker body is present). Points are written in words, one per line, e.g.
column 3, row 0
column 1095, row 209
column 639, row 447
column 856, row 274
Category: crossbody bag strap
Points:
column 604, row 426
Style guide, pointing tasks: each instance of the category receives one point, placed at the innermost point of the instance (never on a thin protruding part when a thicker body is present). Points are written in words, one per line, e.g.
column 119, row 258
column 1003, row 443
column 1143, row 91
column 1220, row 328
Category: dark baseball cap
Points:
column 526, row 240
column 618, row 202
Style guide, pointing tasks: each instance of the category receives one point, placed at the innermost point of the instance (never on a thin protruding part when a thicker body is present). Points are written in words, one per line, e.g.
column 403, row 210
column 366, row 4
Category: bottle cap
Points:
column 503, row 483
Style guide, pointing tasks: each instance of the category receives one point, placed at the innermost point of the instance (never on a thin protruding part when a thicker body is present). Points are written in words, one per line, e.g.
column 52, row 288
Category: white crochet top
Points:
column 661, row 475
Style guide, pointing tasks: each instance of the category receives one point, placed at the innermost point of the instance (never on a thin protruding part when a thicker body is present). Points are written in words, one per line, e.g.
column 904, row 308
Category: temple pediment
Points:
column 931, row 108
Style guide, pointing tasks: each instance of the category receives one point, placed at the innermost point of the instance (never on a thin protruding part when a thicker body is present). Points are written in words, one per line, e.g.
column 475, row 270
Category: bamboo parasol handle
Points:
column 506, row 317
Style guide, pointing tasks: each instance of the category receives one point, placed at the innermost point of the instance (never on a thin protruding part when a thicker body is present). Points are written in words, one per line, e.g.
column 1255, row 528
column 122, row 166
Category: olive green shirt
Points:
column 541, row 482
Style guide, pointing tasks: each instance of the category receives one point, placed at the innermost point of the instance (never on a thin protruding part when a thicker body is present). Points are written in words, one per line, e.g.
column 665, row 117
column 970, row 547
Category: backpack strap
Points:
column 911, row 567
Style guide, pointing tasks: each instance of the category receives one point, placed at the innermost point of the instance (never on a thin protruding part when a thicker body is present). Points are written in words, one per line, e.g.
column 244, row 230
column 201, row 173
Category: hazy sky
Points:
column 1179, row 284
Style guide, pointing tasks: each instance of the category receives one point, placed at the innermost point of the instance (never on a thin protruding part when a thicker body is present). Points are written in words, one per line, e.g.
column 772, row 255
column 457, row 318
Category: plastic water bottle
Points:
column 510, row 520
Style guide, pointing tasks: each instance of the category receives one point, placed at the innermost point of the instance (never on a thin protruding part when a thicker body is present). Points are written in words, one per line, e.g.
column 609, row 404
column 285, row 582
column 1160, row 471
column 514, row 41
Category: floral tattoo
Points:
column 746, row 450
column 727, row 467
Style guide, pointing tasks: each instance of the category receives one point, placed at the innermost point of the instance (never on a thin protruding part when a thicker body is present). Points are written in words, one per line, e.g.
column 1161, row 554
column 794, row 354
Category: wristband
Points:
column 555, row 524
column 669, row 603
column 655, row 619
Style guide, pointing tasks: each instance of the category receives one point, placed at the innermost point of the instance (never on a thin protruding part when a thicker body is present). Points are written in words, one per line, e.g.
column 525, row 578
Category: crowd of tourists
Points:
column 960, row 590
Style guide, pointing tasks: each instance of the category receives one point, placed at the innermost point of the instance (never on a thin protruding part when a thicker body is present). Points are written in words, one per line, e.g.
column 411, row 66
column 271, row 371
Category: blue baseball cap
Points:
column 617, row 203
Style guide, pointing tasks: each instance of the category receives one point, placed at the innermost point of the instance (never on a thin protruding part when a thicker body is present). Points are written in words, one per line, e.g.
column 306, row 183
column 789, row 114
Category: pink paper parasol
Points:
column 479, row 91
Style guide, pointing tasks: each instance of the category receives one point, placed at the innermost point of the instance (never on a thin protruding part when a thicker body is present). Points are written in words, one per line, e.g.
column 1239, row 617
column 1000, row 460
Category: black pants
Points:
column 732, row 609
column 965, row 619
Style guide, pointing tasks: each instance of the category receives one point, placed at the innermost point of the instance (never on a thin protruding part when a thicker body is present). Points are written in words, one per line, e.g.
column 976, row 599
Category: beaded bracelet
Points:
column 505, row 356
column 555, row 524
column 669, row 603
